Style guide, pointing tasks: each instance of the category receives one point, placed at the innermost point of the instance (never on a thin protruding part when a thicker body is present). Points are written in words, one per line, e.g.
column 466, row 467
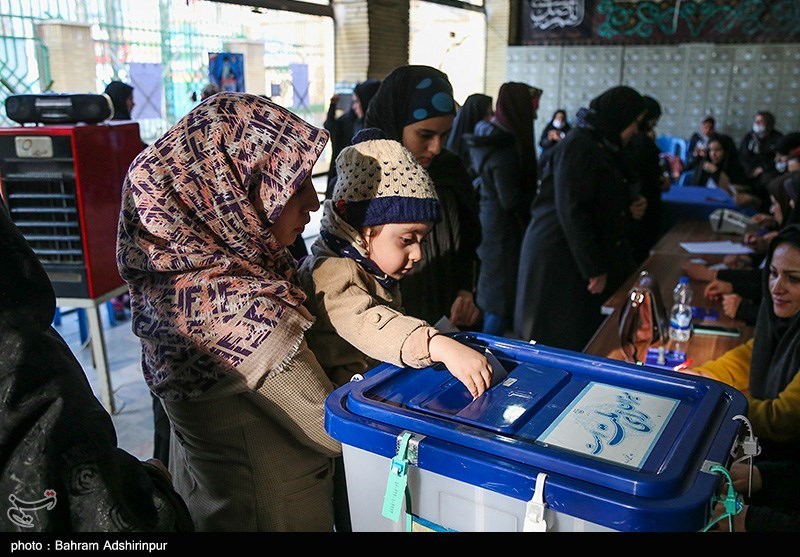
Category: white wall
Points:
column 689, row 80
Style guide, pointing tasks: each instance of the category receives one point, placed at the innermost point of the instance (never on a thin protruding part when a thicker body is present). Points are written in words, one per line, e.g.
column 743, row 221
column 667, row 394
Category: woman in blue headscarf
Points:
column 414, row 105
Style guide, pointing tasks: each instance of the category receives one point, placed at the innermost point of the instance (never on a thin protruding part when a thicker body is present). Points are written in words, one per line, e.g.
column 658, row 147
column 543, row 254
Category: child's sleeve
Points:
column 416, row 351
column 358, row 316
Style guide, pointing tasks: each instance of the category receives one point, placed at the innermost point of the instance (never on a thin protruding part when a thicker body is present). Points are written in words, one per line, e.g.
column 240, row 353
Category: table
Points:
column 92, row 306
column 693, row 230
column 695, row 202
column 665, row 267
column 664, row 264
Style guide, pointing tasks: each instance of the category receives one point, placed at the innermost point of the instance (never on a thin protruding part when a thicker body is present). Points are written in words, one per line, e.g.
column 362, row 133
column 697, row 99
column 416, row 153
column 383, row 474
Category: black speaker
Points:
column 59, row 108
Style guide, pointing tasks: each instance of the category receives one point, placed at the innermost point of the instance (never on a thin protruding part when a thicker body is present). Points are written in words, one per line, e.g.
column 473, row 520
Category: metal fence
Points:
column 178, row 35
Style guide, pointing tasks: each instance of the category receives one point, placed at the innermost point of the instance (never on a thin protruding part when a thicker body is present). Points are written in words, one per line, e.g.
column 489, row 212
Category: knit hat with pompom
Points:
column 379, row 181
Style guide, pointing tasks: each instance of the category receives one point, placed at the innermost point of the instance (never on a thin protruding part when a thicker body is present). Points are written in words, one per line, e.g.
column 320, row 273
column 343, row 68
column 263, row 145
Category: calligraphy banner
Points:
column 566, row 22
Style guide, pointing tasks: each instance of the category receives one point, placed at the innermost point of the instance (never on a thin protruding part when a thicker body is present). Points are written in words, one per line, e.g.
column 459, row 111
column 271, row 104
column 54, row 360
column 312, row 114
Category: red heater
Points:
column 61, row 185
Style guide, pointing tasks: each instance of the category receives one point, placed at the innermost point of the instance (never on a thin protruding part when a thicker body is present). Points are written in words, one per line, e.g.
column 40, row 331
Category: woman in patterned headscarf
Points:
column 208, row 211
column 414, row 105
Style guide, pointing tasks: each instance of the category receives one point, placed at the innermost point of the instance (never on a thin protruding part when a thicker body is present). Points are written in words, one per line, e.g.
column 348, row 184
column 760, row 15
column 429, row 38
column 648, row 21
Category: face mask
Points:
column 558, row 124
column 780, row 166
column 758, row 129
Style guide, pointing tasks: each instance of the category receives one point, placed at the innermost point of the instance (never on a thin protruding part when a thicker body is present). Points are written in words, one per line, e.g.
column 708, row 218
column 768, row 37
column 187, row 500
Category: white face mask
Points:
column 780, row 166
column 758, row 129
column 558, row 124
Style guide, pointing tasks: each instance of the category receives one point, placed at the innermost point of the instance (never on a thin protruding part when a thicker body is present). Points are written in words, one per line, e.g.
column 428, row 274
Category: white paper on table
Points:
column 722, row 247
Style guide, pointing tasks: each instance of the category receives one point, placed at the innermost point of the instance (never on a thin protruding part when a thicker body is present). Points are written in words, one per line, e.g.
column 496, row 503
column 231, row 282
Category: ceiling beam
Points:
column 285, row 5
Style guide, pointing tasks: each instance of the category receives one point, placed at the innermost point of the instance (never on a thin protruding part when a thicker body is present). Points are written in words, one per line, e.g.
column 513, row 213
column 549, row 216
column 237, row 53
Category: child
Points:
column 383, row 205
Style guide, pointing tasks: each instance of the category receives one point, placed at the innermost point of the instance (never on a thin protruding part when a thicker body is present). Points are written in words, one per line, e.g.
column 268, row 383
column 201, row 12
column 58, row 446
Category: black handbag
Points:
column 642, row 319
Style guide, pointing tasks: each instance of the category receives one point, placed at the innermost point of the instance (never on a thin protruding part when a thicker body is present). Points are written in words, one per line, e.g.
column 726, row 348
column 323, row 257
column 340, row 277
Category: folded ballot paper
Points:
column 499, row 372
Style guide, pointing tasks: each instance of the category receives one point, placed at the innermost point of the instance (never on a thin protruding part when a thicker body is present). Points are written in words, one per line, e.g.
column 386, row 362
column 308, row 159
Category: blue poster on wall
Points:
column 226, row 70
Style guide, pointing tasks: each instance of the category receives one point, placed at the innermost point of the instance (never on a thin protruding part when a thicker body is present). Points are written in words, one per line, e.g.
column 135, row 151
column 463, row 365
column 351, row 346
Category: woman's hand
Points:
column 464, row 312
column 759, row 243
column 735, row 261
column 723, row 526
column 697, row 271
column 158, row 465
column 717, row 288
column 638, row 207
column 763, row 219
column 597, row 284
column 465, row 364
column 730, row 304
column 740, row 474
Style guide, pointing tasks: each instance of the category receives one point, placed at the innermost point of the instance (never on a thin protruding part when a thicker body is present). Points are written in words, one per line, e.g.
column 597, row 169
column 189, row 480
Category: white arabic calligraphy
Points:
column 545, row 14
column 17, row 514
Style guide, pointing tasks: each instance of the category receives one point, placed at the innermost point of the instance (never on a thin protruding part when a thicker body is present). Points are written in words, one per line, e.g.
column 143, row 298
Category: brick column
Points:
column 70, row 49
column 497, row 35
column 254, row 75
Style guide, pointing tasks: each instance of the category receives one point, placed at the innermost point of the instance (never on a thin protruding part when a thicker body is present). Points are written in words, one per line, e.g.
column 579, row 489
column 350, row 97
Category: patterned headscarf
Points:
column 210, row 284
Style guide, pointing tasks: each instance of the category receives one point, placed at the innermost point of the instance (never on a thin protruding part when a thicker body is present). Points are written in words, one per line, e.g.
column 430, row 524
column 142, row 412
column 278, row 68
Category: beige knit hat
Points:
column 379, row 181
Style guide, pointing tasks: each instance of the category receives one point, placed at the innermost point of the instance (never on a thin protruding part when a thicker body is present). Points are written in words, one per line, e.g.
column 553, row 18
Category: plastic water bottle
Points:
column 680, row 317
column 682, row 292
column 680, row 322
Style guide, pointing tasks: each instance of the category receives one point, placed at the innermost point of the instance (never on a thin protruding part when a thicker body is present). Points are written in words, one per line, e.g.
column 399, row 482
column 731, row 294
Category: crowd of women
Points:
column 432, row 211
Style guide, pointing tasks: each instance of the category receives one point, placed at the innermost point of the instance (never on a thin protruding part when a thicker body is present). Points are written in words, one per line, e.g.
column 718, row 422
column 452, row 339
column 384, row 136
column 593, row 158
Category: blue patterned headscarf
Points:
column 408, row 95
column 431, row 97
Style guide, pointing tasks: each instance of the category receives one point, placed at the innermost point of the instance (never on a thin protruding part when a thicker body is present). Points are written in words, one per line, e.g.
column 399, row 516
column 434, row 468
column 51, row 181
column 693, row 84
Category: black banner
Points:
column 576, row 22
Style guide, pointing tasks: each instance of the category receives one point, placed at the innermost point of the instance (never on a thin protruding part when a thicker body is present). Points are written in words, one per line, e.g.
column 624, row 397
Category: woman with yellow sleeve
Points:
column 765, row 368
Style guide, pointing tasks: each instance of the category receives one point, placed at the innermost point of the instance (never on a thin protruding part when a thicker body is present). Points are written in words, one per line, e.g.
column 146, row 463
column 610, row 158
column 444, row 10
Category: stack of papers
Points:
column 722, row 247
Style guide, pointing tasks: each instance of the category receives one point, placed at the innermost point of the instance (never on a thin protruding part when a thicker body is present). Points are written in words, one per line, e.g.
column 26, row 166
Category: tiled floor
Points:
column 133, row 418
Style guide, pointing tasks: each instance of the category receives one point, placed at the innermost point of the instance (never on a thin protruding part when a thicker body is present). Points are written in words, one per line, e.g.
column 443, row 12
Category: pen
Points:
column 683, row 365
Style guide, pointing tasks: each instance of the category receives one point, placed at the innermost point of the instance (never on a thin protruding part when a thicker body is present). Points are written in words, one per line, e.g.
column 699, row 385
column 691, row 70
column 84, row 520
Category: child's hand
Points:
column 465, row 364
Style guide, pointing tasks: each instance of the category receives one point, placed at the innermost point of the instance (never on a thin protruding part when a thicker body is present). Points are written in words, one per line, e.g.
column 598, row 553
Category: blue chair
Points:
column 83, row 321
column 673, row 145
column 664, row 143
column 679, row 148
column 686, row 175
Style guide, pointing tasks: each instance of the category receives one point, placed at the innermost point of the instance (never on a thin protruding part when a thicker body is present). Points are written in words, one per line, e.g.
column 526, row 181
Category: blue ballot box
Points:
column 566, row 442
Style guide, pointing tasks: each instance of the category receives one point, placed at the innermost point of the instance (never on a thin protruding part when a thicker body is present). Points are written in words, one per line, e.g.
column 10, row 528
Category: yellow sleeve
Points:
column 778, row 418
column 732, row 368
